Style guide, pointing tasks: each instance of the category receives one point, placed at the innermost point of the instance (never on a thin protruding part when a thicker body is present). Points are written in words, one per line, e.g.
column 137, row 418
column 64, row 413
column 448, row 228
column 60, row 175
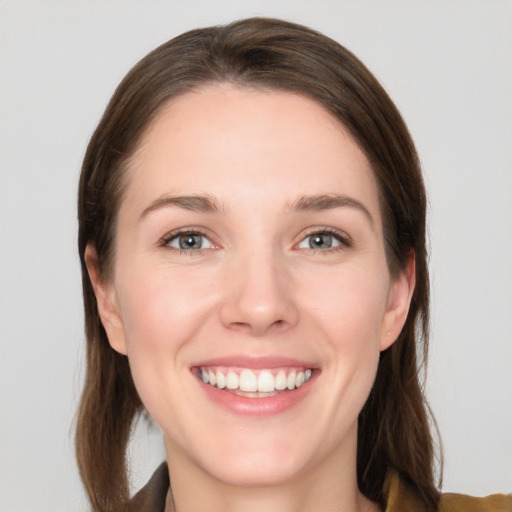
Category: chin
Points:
column 255, row 470
column 244, row 457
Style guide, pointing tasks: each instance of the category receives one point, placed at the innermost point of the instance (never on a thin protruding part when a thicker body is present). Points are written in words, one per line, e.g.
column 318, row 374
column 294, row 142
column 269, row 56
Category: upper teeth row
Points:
column 248, row 381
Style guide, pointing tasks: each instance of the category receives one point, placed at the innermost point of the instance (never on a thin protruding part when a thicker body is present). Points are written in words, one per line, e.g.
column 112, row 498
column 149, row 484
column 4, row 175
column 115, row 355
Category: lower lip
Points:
column 263, row 406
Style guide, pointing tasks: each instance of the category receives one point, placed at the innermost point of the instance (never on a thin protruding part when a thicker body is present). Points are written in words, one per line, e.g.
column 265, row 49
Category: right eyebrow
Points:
column 330, row 201
column 195, row 203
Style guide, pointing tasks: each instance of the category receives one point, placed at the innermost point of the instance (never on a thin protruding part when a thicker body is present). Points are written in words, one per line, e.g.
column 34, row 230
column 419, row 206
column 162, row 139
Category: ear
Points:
column 106, row 300
column 399, row 300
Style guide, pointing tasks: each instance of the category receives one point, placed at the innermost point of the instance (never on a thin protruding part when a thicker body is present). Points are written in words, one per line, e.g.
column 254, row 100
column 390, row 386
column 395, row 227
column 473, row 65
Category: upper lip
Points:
column 255, row 363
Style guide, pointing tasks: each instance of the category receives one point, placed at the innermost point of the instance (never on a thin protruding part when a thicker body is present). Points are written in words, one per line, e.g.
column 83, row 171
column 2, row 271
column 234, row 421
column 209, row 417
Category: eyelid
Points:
column 189, row 230
column 345, row 241
column 341, row 236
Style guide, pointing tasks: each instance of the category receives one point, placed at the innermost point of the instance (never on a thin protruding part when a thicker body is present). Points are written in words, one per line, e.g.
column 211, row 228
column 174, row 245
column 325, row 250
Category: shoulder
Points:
column 452, row 502
column 401, row 498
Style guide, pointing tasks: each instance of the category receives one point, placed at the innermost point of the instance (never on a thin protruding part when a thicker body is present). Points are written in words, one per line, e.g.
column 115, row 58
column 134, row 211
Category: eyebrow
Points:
column 196, row 203
column 208, row 204
column 328, row 202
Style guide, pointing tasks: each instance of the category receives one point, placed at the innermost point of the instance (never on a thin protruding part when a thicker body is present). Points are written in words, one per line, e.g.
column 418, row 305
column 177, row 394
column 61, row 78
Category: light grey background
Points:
column 448, row 66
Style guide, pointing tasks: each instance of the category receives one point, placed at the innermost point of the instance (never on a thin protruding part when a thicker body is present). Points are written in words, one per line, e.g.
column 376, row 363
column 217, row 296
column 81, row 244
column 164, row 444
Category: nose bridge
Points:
column 259, row 292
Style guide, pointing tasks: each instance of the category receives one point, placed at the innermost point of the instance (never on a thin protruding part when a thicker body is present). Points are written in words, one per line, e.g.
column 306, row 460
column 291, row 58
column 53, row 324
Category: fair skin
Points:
column 250, row 239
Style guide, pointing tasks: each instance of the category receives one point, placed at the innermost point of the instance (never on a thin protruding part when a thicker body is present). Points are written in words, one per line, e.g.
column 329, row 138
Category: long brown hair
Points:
column 394, row 431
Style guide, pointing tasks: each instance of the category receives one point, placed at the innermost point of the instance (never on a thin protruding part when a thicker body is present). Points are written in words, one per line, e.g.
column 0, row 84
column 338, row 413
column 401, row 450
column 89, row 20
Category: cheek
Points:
column 159, row 308
column 160, row 312
column 350, row 305
column 349, row 310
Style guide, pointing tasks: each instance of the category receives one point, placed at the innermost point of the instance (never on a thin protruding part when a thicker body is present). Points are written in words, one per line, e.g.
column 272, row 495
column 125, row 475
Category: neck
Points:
column 329, row 486
column 256, row 500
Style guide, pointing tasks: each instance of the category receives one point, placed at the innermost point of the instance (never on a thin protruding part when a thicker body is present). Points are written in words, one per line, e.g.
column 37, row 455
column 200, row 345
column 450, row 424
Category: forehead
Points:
column 229, row 141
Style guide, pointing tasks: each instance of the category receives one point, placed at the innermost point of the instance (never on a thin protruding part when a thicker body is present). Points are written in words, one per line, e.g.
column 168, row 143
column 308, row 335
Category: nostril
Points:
column 278, row 323
column 256, row 308
column 241, row 326
column 254, row 328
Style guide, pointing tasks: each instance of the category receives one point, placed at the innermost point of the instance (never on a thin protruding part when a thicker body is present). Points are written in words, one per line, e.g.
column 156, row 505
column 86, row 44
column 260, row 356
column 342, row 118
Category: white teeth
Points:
column 248, row 381
column 232, row 380
column 221, row 380
column 266, row 381
column 280, row 382
column 290, row 382
column 259, row 381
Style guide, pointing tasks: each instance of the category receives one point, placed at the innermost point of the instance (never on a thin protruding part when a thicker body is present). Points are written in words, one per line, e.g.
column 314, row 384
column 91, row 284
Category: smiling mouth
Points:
column 254, row 383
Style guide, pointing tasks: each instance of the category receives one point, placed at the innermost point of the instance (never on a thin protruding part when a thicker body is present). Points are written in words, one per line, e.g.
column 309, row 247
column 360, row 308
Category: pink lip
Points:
column 255, row 363
column 263, row 406
column 266, row 406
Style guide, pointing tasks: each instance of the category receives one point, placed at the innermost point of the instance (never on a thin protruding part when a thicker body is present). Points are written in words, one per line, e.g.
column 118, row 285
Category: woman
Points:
column 252, row 238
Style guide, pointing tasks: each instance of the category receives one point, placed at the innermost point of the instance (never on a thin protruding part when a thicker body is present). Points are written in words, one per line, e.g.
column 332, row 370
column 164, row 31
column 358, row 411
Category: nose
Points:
column 259, row 297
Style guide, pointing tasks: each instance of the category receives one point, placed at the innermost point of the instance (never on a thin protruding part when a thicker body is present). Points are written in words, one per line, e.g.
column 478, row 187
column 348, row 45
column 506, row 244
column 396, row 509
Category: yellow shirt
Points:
column 401, row 499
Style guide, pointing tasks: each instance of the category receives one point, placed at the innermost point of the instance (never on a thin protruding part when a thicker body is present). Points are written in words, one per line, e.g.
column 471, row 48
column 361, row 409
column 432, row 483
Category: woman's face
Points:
column 250, row 254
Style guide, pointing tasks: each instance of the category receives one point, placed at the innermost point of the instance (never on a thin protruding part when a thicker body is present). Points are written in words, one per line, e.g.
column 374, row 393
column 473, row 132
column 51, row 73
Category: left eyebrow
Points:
column 329, row 202
column 196, row 203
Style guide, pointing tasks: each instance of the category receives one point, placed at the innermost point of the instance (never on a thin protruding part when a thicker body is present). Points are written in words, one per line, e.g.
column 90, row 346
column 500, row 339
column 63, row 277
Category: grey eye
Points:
column 189, row 242
column 319, row 241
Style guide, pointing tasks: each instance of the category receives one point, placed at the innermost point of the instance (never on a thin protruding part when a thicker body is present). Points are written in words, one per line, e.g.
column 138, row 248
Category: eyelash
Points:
column 169, row 237
column 345, row 242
